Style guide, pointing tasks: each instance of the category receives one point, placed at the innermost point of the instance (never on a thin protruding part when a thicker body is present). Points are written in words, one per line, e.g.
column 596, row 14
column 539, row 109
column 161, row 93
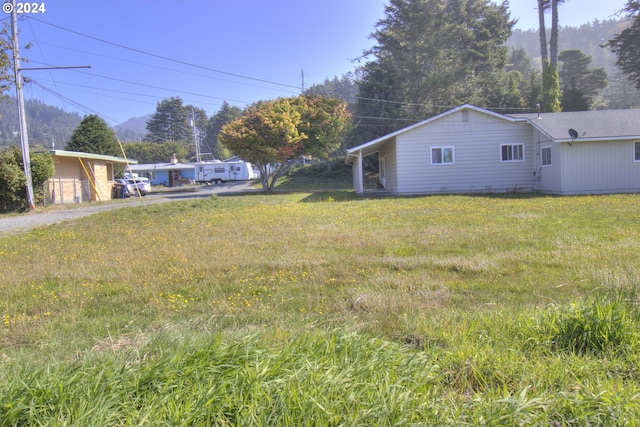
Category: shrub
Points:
column 13, row 193
column 593, row 326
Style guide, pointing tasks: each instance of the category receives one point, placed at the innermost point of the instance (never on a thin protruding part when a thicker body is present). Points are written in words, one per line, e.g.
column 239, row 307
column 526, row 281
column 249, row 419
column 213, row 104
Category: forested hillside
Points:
column 589, row 38
column 133, row 130
column 46, row 124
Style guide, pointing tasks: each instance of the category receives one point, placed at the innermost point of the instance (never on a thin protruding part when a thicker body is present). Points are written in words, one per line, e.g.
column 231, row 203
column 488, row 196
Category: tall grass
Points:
column 326, row 309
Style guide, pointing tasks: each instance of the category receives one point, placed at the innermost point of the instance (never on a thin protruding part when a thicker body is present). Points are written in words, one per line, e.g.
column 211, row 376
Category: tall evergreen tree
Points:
column 226, row 114
column 170, row 122
column 573, row 99
column 575, row 75
column 626, row 45
column 550, row 63
column 430, row 55
column 550, row 90
column 93, row 135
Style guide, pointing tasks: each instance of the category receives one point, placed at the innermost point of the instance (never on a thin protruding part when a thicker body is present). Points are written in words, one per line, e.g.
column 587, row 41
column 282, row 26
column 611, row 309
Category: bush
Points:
column 594, row 326
column 13, row 183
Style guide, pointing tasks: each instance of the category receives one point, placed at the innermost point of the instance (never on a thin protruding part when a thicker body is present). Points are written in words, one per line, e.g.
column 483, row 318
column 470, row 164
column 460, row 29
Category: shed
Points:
column 83, row 177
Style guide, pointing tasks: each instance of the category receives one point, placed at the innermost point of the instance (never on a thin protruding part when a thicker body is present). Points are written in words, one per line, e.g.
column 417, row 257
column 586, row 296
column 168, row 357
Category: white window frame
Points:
column 542, row 162
column 636, row 151
column 442, row 157
column 511, row 147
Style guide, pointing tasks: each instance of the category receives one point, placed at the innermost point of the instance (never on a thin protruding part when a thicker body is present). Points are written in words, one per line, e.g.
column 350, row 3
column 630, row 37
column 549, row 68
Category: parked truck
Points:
column 216, row 172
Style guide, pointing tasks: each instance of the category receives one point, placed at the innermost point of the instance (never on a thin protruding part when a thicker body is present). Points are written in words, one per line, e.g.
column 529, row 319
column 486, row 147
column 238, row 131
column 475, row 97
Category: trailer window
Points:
column 218, row 170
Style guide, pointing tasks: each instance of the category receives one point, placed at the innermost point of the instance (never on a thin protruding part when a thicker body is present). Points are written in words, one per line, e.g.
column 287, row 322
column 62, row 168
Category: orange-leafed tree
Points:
column 272, row 135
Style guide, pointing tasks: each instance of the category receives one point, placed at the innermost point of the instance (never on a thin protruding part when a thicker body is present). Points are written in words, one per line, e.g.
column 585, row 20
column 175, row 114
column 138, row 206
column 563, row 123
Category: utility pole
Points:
column 24, row 139
column 302, row 74
column 24, row 136
column 195, row 136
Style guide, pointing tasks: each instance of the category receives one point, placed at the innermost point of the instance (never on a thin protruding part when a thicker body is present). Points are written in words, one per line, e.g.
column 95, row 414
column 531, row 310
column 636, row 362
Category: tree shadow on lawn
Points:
column 350, row 195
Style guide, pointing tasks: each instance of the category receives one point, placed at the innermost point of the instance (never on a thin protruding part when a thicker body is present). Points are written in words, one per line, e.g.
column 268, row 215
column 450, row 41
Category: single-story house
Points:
column 83, row 177
column 165, row 174
column 470, row 149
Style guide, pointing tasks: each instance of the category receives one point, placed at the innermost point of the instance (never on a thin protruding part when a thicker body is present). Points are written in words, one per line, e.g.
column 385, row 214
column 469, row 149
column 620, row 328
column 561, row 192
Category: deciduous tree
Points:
column 272, row 135
column 155, row 152
column 6, row 77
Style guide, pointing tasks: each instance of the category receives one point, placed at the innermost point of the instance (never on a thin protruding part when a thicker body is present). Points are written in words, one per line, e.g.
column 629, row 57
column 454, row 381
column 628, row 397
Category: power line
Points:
column 151, row 87
column 76, row 86
column 155, row 66
column 70, row 101
column 163, row 57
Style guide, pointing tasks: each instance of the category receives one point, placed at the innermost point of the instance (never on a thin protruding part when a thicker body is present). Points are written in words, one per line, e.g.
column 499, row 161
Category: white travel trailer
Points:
column 216, row 172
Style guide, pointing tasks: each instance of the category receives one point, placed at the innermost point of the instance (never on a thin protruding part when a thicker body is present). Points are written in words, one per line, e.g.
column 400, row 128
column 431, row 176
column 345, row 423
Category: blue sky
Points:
column 208, row 51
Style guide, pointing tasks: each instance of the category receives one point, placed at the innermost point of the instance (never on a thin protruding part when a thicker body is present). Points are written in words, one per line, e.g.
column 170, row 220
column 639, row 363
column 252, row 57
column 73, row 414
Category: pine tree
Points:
column 573, row 99
column 93, row 135
column 226, row 114
column 626, row 45
column 170, row 122
column 575, row 74
column 431, row 55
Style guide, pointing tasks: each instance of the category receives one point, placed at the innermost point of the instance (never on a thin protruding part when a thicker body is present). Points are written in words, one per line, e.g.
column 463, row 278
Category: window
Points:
column 218, row 170
column 636, row 151
column 441, row 155
column 512, row 152
column 545, row 153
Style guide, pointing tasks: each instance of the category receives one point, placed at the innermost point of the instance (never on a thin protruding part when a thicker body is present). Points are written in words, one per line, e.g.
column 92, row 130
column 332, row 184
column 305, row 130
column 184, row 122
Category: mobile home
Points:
column 216, row 172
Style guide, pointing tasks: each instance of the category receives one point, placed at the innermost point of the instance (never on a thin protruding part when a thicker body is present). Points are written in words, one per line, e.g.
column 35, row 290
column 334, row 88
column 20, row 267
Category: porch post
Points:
column 357, row 174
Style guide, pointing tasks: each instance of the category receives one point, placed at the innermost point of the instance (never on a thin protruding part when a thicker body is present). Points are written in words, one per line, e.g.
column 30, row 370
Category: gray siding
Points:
column 478, row 166
column 391, row 176
column 548, row 177
column 599, row 167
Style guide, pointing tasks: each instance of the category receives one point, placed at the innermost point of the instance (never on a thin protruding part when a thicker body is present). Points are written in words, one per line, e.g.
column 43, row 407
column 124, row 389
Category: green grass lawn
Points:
column 326, row 309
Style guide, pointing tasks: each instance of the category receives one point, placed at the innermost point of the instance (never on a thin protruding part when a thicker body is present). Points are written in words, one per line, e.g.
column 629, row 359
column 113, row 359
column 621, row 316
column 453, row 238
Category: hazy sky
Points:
column 207, row 51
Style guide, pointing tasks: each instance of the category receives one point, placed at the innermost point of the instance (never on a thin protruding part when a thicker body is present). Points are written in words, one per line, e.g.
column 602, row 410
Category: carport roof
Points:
column 80, row 155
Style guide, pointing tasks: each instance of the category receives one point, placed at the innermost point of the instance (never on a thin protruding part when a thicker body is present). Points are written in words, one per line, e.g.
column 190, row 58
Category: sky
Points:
column 207, row 51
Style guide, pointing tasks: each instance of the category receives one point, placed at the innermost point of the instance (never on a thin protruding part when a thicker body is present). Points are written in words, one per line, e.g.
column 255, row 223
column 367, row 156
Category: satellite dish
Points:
column 573, row 133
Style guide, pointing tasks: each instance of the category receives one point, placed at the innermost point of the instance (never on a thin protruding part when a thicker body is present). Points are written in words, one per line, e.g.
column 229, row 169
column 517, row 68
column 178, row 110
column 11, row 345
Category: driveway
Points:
column 10, row 224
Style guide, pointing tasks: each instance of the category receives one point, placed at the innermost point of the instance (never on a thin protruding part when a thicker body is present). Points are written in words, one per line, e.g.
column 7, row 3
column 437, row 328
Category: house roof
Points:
column 373, row 146
column 590, row 125
column 161, row 167
column 80, row 155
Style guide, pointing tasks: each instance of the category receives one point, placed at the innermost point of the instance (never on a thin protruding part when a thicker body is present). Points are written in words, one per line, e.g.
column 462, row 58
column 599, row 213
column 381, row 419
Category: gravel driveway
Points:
column 10, row 224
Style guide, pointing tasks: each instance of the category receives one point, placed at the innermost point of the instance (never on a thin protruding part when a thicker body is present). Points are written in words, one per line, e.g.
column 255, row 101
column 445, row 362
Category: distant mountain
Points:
column 46, row 125
column 133, row 130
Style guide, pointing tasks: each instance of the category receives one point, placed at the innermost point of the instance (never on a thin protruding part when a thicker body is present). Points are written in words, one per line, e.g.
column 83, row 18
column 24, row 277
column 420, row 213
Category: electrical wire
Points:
column 177, row 61
column 155, row 67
